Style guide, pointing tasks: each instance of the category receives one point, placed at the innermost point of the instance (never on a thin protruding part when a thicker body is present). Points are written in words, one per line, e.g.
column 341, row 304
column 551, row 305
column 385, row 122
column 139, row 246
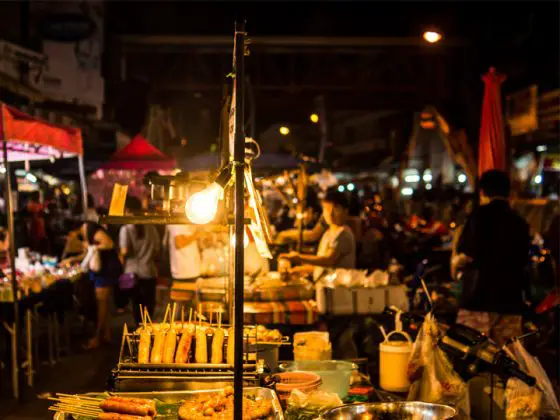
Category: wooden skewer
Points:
column 77, row 411
column 79, row 397
column 172, row 323
column 74, row 410
column 65, row 405
column 143, row 315
column 190, row 315
column 166, row 314
column 74, row 401
column 80, row 407
column 149, row 319
column 182, row 315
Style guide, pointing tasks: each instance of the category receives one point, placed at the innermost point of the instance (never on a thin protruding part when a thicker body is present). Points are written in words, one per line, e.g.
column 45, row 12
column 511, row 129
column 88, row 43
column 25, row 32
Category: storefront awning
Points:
column 30, row 138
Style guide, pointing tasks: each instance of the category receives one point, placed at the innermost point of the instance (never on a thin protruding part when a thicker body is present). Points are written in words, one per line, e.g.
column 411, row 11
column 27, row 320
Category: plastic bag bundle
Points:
column 302, row 406
column 523, row 401
column 345, row 277
column 431, row 374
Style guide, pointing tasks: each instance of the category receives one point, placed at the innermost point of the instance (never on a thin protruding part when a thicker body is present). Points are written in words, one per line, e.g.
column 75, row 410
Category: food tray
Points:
column 177, row 396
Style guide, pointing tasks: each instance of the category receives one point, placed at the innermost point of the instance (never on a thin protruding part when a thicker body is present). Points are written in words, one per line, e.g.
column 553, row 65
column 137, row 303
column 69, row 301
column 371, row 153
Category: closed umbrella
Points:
column 492, row 145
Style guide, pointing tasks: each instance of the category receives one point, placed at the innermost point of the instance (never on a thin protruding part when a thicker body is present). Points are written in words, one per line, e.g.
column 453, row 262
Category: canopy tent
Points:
column 25, row 138
column 266, row 161
column 139, row 154
column 128, row 166
column 435, row 145
column 29, row 138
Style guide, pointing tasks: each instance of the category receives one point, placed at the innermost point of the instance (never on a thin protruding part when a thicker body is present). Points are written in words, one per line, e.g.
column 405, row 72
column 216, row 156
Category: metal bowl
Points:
column 391, row 411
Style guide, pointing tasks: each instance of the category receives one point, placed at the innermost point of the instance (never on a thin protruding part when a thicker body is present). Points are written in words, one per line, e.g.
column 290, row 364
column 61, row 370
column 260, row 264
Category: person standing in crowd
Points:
column 105, row 278
column 91, row 211
column 184, row 260
column 337, row 248
column 139, row 247
column 37, row 226
column 493, row 252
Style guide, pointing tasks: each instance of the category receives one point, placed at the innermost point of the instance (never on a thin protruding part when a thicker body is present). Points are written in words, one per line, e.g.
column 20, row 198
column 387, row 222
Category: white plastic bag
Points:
column 92, row 260
column 431, row 374
column 525, row 401
column 302, row 406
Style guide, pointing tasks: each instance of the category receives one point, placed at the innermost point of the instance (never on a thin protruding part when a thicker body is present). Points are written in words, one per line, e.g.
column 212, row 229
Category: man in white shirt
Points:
column 184, row 258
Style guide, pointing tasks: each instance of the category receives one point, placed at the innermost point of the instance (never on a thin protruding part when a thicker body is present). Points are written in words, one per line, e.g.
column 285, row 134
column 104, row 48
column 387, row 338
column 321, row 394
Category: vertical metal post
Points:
column 239, row 162
column 83, row 185
column 323, row 126
column 12, row 257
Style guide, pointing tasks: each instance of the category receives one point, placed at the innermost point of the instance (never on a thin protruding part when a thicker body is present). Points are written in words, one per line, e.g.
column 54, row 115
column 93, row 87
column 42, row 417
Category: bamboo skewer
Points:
column 78, row 397
column 173, row 315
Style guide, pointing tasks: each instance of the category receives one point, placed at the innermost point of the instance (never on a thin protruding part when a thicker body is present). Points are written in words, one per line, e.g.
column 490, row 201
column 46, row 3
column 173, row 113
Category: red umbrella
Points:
column 491, row 146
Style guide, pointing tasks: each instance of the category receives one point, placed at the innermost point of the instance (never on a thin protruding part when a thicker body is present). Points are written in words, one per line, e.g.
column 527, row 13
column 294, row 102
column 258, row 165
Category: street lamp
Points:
column 314, row 118
column 432, row 36
column 284, row 130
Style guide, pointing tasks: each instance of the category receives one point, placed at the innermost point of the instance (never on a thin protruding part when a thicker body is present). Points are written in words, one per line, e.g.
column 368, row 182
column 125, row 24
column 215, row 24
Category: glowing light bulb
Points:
column 245, row 240
column 432, row 37
column 284, row 130
column 201, row 207
column 314, row 118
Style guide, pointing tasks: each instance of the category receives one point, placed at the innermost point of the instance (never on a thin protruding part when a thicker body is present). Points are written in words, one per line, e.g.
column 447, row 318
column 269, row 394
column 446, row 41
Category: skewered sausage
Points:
column 169, row 346
column 218, row 346
column 142, row 401
column 122, row 407
column 184, row 347
column 201, row 348
column 117, row 416
column 144, row 346
column 157, row 348
column 230, row 353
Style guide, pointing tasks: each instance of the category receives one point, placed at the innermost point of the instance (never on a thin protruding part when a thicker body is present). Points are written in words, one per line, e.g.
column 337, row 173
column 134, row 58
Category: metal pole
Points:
column 83, row 185
column 239, row 162
column 323, row 126
column 12, row 257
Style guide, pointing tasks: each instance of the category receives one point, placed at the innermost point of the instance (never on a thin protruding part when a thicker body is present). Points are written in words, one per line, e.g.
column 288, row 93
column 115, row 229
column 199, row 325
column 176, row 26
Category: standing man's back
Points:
column 495, row 242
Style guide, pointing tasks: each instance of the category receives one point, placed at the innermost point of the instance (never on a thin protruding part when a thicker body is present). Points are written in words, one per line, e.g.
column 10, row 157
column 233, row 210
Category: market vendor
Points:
column 337, row 248
column 309, row 235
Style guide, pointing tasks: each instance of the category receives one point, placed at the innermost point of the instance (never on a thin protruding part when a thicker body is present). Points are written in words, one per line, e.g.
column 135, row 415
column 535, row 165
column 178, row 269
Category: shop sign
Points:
column 68, row 27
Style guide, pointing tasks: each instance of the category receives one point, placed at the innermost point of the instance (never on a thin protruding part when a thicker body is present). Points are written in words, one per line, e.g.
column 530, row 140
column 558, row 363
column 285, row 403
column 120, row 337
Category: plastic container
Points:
column 393, row 363
column 335, row 374
column 288, row 381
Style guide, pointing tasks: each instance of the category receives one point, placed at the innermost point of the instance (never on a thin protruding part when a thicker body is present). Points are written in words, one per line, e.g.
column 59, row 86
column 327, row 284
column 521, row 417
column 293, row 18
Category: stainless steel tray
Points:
column 405, row 410
column 177, row 396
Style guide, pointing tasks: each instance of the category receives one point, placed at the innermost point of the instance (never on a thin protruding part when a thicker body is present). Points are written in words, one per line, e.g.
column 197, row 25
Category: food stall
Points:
column 216, row 369
column 128, row 166
column 26, row 138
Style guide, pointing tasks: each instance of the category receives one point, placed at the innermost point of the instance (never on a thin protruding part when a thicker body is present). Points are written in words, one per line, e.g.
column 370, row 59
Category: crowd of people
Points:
column 489, row 252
